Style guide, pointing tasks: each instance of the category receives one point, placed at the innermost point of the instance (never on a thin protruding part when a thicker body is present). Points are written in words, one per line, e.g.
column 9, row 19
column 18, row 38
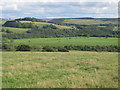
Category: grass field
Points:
column 2, row 22
column 80, row 51
column 59, row 26
column 16, row 30
column 68, row 41
column 88, row 21
column 40, row 24
column 60, row 70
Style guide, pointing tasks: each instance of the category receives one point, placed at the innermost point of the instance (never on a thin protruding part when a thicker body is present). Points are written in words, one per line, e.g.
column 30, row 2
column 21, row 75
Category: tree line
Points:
column 23, row 47
column 17, row 24
column 29, row 19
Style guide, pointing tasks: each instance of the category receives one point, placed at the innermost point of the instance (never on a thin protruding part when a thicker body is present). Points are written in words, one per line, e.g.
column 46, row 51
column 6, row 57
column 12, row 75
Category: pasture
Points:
column 40, row 24
column 58, row 26
column 90, row 41
column 16, row 30
column 2, row 22
column 88, row 21
column 60, row 70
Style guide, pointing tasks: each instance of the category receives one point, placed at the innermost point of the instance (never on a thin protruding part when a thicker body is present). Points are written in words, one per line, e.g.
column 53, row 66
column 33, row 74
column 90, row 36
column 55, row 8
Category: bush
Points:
column 7, row 47
column 50, row 26
column 23, row 48
column 49, row 49
column 62, row 49
column 96, row 48
column 37, row 48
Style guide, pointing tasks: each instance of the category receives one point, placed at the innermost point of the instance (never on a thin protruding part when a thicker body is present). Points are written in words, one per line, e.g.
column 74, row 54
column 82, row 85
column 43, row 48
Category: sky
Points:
column 59, row 8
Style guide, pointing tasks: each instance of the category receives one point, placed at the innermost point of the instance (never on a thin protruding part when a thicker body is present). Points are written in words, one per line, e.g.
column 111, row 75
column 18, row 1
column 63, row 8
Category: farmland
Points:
column 16, row 30
column 88, row 21
column 45, row 23
column 2, row 22
column 91, row 41
column 60, row 53
column 60, row 70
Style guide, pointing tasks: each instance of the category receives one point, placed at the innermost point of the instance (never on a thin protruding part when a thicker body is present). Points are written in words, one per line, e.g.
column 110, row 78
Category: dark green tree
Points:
column 23, row 48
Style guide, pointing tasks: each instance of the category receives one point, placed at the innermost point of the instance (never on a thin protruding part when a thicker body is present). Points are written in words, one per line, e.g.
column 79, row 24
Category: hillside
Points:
column 85, row 21
column 42, row 28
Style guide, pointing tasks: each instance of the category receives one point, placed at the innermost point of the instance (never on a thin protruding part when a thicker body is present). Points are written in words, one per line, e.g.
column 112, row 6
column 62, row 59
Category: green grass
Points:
column 88, row 21
column 60, row 70
column 80, row 51
column 41, row 24
column 17, row 30
column 2, row 22
column 58, row 26
column 91, row 41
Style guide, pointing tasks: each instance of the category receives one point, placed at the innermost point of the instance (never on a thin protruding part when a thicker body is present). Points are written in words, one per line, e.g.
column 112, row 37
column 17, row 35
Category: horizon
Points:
column 65, row 18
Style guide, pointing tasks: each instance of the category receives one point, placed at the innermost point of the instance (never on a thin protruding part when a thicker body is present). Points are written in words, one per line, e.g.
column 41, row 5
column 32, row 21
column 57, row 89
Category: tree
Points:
column 23, row 48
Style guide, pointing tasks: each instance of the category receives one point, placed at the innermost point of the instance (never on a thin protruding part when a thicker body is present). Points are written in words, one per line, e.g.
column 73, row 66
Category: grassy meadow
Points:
column 41, row 24
column 91, row 41
column 60, row 70
column 16, row 30
column 88, row 21
column 58, row 26
column 2, row 22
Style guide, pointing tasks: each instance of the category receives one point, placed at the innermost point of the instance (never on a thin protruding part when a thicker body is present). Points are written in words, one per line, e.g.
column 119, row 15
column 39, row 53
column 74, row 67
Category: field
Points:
column 91, row 41
column 60, row 70
column 40, row 24
column 2, row 22
column 16, row 30
column 88, row 21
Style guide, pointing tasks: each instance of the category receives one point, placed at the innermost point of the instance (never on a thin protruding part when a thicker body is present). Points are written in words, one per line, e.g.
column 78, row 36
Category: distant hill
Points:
column 62, row 27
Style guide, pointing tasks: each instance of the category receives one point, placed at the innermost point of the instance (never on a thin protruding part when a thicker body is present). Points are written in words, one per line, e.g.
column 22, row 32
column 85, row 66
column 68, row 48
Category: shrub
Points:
column 49, row 49
column 23, row 48
column 62, row 49
column 7, row 47
column 37, row 48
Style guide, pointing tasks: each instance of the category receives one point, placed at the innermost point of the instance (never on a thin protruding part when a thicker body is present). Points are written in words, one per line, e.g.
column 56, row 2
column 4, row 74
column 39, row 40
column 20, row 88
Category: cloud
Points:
column 59, row 1
column 10, row 7
column 50, row 8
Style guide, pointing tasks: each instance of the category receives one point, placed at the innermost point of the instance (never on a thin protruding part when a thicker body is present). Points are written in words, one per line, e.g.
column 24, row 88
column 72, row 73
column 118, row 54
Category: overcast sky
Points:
column 58, row 8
